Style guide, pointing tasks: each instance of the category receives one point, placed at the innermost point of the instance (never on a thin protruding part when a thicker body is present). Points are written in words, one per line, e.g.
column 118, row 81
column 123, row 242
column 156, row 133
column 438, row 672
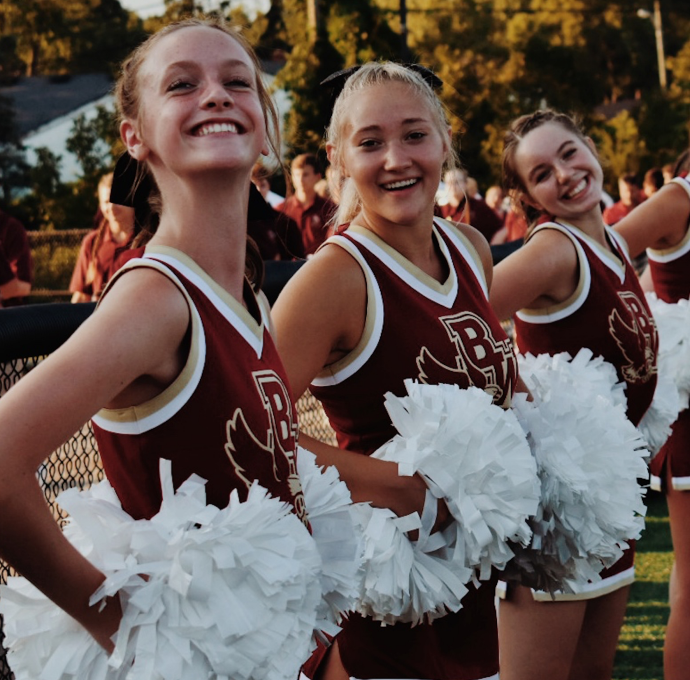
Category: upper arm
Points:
column 660, row 222
column 319, row 315
column 543, row 272
column 118, row 344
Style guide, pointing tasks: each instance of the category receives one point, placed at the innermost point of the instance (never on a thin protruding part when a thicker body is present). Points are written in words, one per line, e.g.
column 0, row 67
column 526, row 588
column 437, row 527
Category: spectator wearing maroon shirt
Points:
column 463, row 208
column 631, row 196
column 101, row 246
column 311, row 212
column 16, row 264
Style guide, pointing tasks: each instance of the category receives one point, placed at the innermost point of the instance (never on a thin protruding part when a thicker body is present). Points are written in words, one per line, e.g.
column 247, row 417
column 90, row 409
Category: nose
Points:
column 562, row 173
column 396, row 157
column 216, row 96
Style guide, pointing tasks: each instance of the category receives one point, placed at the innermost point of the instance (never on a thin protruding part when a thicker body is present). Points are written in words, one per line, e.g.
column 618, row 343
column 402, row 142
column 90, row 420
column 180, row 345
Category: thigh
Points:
column 537, row 640
column 598, row 640
column 679, row 513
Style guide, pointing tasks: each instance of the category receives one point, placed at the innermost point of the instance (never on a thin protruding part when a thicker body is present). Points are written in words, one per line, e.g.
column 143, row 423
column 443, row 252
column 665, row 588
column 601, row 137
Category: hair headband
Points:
column 336, row 81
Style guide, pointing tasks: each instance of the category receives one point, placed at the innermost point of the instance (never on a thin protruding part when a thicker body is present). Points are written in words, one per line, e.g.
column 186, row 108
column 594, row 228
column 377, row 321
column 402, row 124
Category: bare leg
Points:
column 537, row 640
column 596, row 646
column 677, row 644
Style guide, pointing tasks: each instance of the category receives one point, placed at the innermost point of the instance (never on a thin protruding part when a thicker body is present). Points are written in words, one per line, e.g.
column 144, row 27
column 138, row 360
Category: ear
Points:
column 448, row 143
column 132, row 138
column 330, row 154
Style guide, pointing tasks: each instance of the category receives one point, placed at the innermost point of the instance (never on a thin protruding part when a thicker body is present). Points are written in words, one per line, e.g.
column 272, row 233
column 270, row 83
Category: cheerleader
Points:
column 570, row 286
column 191, row 373
column 396, row 295
column 661, row 225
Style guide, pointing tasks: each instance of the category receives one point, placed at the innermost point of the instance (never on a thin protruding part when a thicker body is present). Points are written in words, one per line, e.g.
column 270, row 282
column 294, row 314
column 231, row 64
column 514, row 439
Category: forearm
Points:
column 371, row 480
column 32, row 542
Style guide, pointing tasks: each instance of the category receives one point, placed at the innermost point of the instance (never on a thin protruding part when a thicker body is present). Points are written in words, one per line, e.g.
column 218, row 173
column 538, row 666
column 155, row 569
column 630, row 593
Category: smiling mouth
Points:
column 216, row 128
column 579, row 188
column 402, row 184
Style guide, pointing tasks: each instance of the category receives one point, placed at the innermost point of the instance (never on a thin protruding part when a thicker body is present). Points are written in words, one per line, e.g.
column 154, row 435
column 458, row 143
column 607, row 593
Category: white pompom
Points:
column 229, row 593
column 472, row 454
column 673, row 324
column 590, row 459
column 657, row 421
column 332, row 521
column 404, row 580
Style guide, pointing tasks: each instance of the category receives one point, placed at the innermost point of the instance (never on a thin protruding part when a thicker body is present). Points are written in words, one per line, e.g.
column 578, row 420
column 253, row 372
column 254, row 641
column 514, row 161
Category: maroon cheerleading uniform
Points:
column 435, row 333
column 228, row 417
column 670, row 270
column 608, row 314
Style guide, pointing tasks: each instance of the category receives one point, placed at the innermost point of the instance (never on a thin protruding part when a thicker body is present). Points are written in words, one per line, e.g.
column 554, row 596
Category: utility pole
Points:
column 404, row 50
column 313, row 19
column 661, row 59
column 655, row 16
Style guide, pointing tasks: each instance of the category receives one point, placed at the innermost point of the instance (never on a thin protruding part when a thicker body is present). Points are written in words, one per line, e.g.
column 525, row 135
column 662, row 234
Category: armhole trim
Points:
column 579, row 295
column 348, row 365
column 154, row 412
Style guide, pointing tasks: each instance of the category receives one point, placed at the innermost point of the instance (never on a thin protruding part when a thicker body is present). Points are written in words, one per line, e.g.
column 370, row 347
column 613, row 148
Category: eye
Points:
column 569, row 152
column 239, row 83
column 368, row 143
column 417, row 135
column 179, row 84
column 541, row 176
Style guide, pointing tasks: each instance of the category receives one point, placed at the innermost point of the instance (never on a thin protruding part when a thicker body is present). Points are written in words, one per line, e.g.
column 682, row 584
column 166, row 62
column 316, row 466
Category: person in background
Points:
column 667, row 171
column 276, row 235
column 630, row 194
column 652, row 182
column 260, row 178
column 16, row 263
column 311, row 212
column 461, row 207
column 100, row 246
column 495, row 200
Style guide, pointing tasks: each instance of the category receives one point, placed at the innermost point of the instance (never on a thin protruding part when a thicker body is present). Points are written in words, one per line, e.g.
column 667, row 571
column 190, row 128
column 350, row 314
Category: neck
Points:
column 305, row 199
column 206, row 218
column 413, row 241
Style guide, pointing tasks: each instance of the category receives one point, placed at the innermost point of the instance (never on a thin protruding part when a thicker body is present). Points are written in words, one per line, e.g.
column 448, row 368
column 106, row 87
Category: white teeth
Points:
column 217, row 127
column 579, row 188
column 401, row 184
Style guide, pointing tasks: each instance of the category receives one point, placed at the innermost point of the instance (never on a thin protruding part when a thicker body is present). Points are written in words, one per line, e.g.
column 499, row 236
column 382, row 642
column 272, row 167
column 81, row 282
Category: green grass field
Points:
column 640, row 655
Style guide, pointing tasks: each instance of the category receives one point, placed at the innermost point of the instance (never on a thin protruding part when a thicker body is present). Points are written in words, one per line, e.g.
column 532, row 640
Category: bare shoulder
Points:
column 320, row 314
column 328, row 280
column 542, row 272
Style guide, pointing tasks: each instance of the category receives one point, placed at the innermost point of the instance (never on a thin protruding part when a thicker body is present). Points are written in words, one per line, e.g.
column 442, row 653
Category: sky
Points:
column 146, row 8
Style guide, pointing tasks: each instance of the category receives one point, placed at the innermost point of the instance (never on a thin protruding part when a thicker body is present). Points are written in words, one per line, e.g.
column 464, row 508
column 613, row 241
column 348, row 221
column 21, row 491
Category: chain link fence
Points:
column 77, row 462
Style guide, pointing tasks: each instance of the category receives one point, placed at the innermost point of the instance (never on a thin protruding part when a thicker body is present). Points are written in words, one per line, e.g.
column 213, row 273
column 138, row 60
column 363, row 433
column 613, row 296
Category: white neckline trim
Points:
column 415, row 282
column 253, row 337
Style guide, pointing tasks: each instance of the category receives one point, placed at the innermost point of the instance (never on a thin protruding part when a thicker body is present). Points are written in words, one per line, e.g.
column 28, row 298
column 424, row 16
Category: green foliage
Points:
column 53, row 266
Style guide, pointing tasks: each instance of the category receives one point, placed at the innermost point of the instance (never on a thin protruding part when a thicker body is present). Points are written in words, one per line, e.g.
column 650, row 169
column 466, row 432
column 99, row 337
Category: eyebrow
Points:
column 184, row 64
column 407, row 121
column 541, row 165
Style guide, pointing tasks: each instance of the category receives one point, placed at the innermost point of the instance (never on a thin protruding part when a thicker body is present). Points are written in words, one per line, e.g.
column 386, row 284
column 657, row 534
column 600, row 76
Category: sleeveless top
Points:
column 607, row 313
column 670, row 268
column 435, row 333
column 227, row 417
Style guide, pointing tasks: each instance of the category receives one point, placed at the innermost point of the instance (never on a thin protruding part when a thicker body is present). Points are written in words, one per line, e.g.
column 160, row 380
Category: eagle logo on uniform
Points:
column 278, row 439
column 482, row 360
column 637, row 339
